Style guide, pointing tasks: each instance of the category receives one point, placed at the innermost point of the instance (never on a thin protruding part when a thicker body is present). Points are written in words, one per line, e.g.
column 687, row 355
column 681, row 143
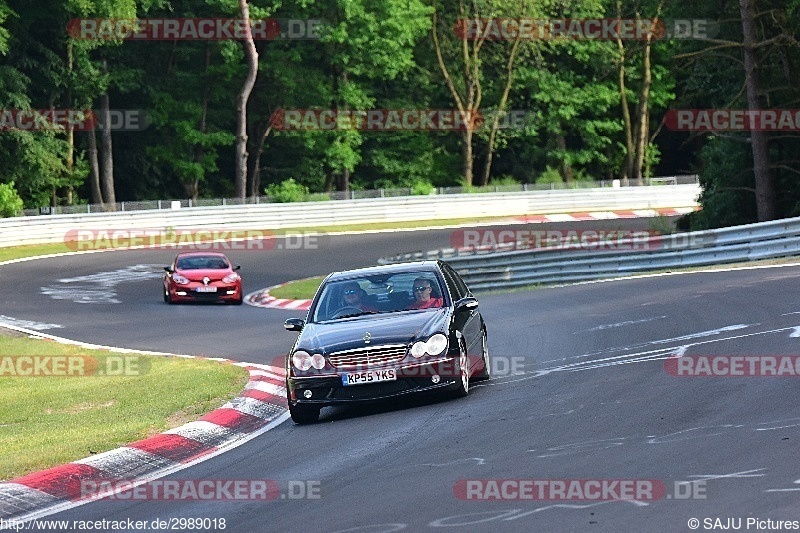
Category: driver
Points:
column 353, row 296
column 423, row 295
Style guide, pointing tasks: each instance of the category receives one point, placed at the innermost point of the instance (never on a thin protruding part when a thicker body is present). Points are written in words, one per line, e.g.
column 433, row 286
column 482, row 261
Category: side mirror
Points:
column 169, row 269
column 294, row 324
column 237, row 267
column 468, row 303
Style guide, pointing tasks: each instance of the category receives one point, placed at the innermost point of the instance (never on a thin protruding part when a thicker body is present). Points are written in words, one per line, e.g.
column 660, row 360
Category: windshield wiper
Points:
column 358, row 314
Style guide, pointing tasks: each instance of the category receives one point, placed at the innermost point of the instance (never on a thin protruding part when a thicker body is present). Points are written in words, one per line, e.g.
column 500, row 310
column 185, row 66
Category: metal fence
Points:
column 147, row 205
column 368, row 211
column 518, row 264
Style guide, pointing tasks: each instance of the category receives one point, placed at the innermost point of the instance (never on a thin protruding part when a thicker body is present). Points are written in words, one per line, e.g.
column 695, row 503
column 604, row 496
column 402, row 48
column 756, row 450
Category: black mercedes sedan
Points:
column 383, row 332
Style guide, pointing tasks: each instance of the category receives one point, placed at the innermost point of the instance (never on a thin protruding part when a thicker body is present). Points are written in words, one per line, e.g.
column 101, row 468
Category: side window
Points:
column 460, row 289
column 456, row 285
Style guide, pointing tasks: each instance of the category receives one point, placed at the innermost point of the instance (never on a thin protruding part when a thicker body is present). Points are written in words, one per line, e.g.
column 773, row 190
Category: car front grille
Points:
column 368, row 356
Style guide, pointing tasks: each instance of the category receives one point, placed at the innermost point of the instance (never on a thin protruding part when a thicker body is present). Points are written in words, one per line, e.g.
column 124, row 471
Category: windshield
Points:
column 387, row 293
column 202, row 263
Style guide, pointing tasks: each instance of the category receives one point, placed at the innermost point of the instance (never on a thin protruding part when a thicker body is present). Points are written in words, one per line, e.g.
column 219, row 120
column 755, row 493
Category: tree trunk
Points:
column 70, row 163
column 192, row 188
column 765, row 192
column 466, row 156
column 107, row 156
column 500, row 108
column 255, row 173
column 627, row 165
column 470, row 103
column 241, row 104
column 94, row 170
column 344, row 180
column 566, row 169
column 643, row 115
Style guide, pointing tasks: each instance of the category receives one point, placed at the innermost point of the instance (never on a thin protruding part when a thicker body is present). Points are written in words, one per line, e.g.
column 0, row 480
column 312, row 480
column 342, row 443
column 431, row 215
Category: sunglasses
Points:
column 421, row 288
column 351, row 291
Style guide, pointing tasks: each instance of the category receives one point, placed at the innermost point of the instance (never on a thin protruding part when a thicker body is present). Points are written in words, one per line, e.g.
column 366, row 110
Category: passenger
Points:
column 423, row 295
column 354, row 295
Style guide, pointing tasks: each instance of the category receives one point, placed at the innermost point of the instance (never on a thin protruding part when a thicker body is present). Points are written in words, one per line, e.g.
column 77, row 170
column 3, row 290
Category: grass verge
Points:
column 19, row 252
column 50, row 420
column 302, row 289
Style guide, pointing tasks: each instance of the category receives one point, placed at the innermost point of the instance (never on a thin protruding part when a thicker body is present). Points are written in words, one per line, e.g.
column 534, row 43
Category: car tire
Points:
column 486, row 373
column 168, row 297
column 463, row 371
column 304, row 414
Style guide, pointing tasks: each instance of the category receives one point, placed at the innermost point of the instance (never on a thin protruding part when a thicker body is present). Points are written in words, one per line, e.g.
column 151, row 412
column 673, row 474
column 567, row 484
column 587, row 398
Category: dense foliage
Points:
column 590, row 108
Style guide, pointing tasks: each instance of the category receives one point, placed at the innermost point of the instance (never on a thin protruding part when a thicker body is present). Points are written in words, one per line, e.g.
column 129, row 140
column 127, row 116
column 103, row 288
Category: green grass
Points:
column 303, row 289
column 18, row 252
column 47, row 421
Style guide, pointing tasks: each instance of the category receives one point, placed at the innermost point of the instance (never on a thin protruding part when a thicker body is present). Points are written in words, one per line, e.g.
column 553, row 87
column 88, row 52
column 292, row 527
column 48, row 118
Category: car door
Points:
column 468, row 321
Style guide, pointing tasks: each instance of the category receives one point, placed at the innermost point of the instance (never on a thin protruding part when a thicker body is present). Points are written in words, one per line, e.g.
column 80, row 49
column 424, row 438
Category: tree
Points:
column 765, row 192
column 251, row 55
column 759, row 53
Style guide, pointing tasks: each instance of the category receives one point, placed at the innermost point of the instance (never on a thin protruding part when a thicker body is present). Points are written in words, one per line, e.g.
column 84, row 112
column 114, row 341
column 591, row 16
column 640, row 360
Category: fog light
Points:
column 181, row 293
column 307, row 393
column 435, row 379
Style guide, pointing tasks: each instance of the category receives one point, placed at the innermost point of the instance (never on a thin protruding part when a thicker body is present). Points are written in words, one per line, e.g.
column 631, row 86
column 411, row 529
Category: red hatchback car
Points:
column 202, row 277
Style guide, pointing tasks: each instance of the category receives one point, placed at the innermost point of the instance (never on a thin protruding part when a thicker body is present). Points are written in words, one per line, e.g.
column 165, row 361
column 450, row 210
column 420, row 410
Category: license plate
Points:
column 206, row 289
column 370, row 376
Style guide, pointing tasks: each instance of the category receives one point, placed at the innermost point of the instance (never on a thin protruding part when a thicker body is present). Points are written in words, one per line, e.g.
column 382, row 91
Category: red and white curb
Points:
column 604, row 215
column 260, row 407
column 262, row 298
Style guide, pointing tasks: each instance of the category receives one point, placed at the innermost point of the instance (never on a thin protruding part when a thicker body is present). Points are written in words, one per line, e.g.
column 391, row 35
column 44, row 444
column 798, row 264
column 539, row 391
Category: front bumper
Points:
column 412, row 378
column 189, row 293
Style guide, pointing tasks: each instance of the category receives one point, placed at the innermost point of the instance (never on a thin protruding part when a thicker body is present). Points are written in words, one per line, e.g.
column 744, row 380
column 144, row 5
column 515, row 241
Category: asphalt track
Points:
column 593, row 401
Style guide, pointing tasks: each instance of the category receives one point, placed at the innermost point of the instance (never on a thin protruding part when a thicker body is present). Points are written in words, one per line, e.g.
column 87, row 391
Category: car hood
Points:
column 392, row 328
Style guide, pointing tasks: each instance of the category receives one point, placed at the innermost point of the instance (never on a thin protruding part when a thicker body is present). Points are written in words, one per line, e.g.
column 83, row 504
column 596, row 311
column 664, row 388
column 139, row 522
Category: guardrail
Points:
column 56, row 228
column 519, row 264
column 354, row 194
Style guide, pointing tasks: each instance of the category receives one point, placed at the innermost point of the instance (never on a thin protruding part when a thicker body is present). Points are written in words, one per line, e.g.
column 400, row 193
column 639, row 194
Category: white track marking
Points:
column 621, row 324
column 101, row 286
column 37, row 326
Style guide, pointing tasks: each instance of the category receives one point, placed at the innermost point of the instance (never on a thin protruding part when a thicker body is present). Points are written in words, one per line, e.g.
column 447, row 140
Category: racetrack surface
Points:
column 591, row 400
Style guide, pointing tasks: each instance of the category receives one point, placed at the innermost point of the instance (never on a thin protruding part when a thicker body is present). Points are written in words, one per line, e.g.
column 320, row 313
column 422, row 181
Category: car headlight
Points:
column 317, row 361
column 231, row 278
column 433, row 346
column 180, row 280
column 301, row 360
column 418, row 349
column 436, row 344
